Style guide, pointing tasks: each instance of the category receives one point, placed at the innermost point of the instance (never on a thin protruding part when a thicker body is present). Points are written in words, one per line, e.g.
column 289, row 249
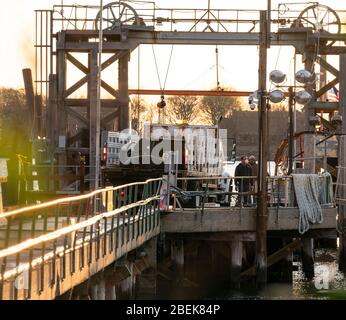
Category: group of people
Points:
column 246, row 168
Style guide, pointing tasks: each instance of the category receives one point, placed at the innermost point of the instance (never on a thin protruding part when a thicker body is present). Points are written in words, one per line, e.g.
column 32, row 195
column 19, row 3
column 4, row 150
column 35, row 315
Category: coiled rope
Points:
column 311, row 191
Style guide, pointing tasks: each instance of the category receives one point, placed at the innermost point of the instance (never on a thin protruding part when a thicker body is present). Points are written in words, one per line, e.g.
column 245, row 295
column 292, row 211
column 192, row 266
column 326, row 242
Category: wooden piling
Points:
column 29, row 94
column 146, row 281
column 262, row 207
column 93, row 289
column 308, row 257
column 101, row 289
column 342, row 164
column 83, row 291
column 236, row 262
column 124, row 91
column 110, row 291
column 177, row 256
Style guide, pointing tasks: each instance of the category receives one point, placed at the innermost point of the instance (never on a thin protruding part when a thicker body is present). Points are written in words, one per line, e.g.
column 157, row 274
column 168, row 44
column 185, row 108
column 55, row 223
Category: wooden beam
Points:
column 112, row 59
column 76, row 86
column 334, row 50
column 319, row 106
column 109, row 117
column 214, row 236
column 212, row 93
column 86, row 70
column 327, row 87
column 77, row 63
column 74, row 114
column 109, row 89
column 277, row 256
column 105, row 103
column 74, row 138
column 327, row 66
column 29, row 94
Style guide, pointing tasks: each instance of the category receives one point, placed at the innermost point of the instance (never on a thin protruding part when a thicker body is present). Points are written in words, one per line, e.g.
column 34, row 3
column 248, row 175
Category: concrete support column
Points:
column 308, row 257
column 236, row 262
column 177, row 256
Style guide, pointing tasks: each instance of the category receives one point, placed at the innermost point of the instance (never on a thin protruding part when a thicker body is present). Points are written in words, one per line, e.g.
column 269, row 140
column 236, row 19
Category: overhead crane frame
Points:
column 121, row 41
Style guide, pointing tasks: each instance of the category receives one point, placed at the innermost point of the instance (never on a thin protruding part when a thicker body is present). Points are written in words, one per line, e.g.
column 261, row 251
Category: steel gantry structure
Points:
column 68, row 36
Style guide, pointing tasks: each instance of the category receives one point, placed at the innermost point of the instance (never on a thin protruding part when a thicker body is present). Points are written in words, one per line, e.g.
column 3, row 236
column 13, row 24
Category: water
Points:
column 328, row 284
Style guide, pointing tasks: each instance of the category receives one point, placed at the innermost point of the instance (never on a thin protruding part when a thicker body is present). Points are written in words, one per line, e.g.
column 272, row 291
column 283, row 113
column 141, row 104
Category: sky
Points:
column 192, row 67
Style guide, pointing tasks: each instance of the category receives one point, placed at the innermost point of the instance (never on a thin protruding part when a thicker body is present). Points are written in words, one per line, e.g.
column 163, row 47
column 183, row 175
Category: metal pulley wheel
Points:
column 115, row 15
column 321, row 19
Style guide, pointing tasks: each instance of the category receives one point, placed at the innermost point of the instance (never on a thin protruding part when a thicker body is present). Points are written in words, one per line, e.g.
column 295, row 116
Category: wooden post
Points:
column 287, row 264
column 29, row 94
column 82, row 175
column 110, row 290
column 124, row 92
column 38, row 115
column 236, row 262
column 262, row 208
column 127, row 286
column 342, row 163
column 94, row 121
column 309, row 138
column 93, row 290
column 83, row 291
column 309, row 163
column 177, row 256
column 101, row 289
column 62, row 118
column 146, row 282
column 52, row 109
column 308, row 257
column 291, row 131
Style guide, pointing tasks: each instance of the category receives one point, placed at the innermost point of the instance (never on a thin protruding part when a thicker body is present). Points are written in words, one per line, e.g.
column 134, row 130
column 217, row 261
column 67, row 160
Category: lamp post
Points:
column 303, row 97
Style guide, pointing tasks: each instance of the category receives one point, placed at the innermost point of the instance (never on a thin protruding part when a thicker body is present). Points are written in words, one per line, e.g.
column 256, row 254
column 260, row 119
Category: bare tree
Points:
column 151, row 112
column 138, row 108
column 14, row 128
column 182, row 108
column 217, row 107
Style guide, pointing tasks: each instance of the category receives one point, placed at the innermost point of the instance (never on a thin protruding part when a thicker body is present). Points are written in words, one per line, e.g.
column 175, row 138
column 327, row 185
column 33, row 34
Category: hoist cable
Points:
column 162, row 88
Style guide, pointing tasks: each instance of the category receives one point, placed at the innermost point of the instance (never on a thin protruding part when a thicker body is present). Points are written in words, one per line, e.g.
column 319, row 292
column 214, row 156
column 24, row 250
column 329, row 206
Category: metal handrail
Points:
column 153, row 16
column 70, row 229
column 72, row 199
column 113, row 217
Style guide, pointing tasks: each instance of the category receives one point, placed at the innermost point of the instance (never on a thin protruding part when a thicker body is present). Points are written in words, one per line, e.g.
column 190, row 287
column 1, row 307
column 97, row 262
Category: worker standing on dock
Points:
column 243, row 184
column 254, row 173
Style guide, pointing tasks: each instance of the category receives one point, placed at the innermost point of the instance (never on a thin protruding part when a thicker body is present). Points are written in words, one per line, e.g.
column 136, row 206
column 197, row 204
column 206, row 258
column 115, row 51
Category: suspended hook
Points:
column 162, row 103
